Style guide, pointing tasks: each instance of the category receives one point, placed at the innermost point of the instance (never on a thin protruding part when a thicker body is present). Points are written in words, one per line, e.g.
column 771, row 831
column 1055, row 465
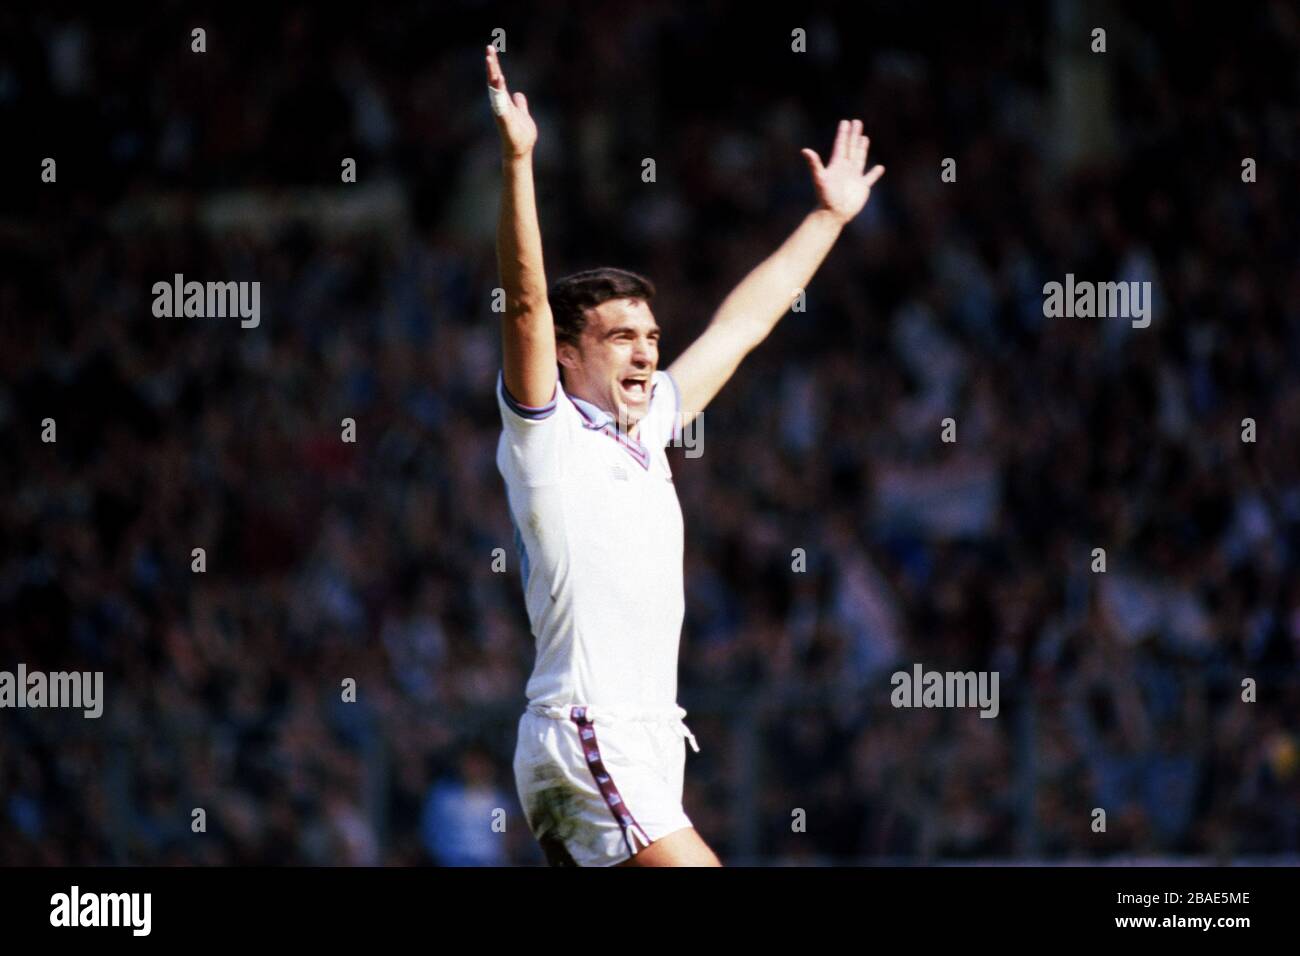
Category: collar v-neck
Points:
column 597, row 419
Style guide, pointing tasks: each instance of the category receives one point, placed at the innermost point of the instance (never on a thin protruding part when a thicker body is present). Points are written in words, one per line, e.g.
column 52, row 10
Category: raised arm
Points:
column 753, row 308
column 527, row 332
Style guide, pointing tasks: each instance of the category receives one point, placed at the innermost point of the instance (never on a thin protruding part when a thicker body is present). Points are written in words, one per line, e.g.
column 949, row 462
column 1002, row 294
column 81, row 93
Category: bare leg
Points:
column 682, row 847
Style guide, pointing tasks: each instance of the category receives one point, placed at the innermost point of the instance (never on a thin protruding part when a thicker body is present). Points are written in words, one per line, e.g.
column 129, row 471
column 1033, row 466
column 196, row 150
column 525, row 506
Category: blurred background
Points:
column 373, row 560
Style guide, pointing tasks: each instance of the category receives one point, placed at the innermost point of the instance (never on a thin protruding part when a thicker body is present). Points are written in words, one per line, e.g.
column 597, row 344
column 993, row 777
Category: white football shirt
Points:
column 598, row 531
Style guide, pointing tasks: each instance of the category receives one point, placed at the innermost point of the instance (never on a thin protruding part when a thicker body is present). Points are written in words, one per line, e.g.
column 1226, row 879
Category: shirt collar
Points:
column 597, row 419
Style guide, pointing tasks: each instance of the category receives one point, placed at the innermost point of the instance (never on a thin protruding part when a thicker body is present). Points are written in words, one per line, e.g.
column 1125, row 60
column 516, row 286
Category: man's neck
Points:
column 596, row 410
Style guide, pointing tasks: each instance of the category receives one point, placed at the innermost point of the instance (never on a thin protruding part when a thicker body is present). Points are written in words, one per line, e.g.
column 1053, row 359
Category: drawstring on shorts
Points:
column 619, row 714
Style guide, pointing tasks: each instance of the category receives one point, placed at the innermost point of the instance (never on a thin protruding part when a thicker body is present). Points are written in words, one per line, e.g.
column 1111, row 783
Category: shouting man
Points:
column 586, row 414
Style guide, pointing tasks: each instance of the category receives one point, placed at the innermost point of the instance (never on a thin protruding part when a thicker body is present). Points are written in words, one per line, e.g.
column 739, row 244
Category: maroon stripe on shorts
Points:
column 604, row 782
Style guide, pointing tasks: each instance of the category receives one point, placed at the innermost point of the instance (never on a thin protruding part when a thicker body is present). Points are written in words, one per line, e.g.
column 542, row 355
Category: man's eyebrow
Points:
column 627, row 328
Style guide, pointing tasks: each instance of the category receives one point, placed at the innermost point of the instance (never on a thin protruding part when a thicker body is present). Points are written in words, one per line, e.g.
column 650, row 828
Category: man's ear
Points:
column 567, row 354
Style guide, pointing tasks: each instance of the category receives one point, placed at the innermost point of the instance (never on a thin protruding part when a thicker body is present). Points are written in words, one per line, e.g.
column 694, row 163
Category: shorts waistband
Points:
column 592, row 715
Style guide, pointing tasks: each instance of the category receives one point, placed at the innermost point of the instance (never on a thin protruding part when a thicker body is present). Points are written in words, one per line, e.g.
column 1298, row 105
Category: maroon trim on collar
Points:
column 630, row 444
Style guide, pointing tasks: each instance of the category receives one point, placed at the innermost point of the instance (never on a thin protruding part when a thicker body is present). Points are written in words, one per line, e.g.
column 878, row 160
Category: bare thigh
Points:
column 682, row 847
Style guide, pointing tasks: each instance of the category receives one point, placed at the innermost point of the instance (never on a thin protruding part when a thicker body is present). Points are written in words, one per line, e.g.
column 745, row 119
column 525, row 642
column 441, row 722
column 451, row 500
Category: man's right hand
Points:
column 518, row 131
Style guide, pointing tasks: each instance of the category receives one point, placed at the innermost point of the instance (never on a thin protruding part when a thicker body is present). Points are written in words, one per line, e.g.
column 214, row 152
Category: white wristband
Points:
column 499, row 100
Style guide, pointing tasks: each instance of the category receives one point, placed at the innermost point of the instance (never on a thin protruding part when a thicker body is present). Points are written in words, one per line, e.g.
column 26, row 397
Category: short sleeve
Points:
column 660, row 425
column 534, row 437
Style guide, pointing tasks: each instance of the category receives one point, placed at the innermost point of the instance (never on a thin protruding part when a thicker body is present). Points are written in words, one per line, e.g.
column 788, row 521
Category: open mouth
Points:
column 636, row 387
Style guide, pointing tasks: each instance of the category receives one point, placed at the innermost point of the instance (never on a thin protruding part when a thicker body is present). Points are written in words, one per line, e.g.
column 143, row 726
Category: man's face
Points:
column 616, row 356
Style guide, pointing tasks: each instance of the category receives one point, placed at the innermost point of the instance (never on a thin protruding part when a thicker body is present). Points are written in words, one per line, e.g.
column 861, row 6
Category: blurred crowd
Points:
column 326, row 560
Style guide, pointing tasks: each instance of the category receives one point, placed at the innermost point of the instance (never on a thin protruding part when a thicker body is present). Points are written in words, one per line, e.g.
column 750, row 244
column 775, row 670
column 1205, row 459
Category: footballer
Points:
column 586, row 414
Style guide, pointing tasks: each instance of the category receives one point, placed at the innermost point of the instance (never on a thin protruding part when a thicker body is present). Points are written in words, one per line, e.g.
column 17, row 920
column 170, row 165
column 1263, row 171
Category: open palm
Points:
column 841, row 185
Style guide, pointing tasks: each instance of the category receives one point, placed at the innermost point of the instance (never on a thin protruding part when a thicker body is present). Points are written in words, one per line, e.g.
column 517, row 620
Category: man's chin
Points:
column 636, row 406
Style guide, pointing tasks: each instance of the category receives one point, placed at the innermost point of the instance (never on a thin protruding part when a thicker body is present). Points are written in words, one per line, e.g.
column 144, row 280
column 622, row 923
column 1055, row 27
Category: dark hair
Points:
column 571, row 296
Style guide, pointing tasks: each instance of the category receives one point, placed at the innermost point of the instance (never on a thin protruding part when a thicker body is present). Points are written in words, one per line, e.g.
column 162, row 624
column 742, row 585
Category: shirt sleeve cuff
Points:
column 530, row 412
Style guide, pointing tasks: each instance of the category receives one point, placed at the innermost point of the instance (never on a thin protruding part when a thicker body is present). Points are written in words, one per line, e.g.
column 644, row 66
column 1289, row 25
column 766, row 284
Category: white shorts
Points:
column 597, row 787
